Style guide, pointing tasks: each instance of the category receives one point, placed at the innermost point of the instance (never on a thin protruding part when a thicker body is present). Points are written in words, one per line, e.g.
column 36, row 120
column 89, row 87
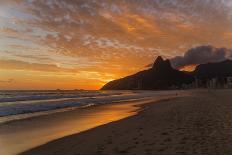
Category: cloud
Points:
column 63, row 25
column 8, row 31
column 201, row 55
column 7, row 81
column 21, row 65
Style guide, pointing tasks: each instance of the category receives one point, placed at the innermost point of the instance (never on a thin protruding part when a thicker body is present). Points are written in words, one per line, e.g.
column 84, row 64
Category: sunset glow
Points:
column 188, row 68
column 84, row 44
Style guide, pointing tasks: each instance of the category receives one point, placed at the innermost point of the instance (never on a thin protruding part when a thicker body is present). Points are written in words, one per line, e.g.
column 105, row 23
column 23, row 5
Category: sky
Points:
column 83, row 44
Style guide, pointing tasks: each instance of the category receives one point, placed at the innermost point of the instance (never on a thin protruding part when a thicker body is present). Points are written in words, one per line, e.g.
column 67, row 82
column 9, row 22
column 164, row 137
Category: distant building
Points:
column 225, row 82
column 213, row 83
column 197, row 82
column 229, row 82
column 139, row 84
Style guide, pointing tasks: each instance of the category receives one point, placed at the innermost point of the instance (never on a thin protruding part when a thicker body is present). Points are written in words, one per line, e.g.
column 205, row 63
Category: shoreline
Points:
column 195, row 124
column 19, row 117
column 32, row 108
column 43, row 129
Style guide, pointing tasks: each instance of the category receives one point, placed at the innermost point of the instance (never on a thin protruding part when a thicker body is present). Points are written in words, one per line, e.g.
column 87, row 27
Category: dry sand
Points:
column 196, row 124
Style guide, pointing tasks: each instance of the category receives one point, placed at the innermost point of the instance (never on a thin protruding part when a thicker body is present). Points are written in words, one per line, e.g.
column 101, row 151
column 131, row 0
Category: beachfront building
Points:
column 213, row 83
column 229, row 82
column 225, row 82
column 197, row 83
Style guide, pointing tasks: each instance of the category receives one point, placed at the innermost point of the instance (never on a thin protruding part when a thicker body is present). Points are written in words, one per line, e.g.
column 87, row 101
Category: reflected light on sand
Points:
column 19, row 136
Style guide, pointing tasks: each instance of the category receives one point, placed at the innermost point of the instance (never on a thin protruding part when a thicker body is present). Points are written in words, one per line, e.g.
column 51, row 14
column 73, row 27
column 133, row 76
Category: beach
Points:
column 199, row 123
column 22, row 132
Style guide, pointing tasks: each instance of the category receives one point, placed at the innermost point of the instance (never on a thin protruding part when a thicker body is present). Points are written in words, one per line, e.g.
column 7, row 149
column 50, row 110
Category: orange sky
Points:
column 83, row 44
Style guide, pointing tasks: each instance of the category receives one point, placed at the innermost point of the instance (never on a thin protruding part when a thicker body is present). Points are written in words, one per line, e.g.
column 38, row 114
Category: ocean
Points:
column 43, row 116
column 23, row 104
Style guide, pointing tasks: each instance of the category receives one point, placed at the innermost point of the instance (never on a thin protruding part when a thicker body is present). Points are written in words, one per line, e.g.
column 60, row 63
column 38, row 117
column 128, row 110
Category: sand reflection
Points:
column 22, row 135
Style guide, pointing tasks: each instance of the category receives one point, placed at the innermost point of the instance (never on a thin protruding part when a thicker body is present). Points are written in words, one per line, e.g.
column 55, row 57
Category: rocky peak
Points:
column 158, row 61
column 161, row 64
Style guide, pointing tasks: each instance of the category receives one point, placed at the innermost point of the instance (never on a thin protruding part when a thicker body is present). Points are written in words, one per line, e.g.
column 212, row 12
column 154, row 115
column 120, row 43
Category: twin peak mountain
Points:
column 162, row 76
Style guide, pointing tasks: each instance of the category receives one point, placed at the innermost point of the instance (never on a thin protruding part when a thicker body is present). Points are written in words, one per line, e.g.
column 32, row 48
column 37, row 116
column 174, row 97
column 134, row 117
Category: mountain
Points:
column 163, row 76
column 213, row 70
column 160, row 76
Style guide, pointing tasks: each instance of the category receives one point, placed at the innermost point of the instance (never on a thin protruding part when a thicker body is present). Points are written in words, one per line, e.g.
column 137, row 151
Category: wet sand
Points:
column 197, row 124
column 22, row 135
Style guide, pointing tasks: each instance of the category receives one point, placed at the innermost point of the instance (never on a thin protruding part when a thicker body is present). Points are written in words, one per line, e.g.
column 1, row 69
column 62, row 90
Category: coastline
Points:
column 196, row 124
column 43, row 129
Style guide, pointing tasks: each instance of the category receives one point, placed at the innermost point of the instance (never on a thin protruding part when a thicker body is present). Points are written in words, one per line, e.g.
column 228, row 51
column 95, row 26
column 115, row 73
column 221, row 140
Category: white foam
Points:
column 17, row 105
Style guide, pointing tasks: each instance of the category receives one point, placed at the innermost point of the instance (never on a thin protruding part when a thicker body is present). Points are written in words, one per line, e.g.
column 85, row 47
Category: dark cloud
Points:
column 201, row 55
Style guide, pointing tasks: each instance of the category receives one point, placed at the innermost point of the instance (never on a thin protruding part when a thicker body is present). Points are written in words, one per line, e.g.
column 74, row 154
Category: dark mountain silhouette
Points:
column 213, row 70
column 160, row 76
column 163, row 76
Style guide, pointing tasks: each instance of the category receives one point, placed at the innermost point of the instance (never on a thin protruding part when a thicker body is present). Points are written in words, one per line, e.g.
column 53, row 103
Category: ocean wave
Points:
column 17, row 103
